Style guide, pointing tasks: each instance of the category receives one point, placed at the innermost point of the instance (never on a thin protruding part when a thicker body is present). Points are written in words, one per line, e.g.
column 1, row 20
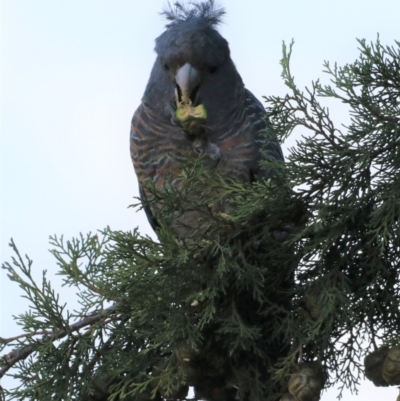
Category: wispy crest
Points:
column 179, row 12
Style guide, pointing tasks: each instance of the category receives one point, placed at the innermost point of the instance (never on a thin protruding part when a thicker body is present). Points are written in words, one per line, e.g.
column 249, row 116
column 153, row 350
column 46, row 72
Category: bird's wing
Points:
column 156, row 151
column 264, row 138
column 143, row 155
column 245, row 139
column 149, row 214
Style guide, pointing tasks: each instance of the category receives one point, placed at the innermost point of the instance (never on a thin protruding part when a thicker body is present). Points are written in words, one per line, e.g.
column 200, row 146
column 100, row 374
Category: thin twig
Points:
column 19, row 354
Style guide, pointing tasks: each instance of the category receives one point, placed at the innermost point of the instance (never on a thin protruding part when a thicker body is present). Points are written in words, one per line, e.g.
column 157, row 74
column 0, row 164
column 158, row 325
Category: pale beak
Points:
column 188, row 79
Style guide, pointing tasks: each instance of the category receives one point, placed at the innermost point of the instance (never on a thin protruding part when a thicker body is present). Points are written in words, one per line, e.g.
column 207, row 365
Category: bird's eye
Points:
column 212, row 69
column 165, row 66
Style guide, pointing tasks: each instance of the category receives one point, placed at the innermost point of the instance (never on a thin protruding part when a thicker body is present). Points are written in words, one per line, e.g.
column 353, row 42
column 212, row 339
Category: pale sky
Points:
column 72, row 74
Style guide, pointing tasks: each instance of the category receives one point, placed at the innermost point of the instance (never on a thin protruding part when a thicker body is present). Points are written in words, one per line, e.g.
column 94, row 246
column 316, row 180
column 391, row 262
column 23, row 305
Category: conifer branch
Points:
column 19, row 354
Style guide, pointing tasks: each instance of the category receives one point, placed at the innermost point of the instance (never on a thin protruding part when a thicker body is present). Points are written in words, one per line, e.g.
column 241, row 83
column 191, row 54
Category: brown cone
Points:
column 306, row 384
column 373, row 363
column 313, row 306
column 391, row 366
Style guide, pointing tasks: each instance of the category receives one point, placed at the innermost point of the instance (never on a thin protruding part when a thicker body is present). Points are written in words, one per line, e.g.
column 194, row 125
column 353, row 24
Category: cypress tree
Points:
column 279, row 298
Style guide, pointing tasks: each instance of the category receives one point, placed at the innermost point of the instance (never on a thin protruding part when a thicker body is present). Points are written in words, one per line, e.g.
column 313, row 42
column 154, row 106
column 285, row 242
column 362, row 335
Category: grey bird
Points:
column 194, row 73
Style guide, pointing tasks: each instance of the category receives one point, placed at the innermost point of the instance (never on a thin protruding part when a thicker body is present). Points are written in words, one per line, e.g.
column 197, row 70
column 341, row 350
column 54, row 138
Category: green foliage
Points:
column 350, row 184
column 165, row 296
column 303, row 267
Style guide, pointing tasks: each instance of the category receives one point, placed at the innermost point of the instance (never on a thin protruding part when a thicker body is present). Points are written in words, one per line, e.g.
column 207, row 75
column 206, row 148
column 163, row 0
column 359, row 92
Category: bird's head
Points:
column 193, row 64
